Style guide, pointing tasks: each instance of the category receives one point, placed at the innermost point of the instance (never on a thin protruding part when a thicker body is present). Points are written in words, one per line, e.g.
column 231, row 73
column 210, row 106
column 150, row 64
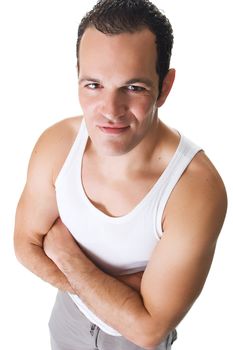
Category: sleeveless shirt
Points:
column 118, row 245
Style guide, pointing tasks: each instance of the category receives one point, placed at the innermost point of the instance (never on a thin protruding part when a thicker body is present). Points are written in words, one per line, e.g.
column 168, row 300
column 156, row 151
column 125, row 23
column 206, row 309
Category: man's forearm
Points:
column 111, row 300
column 132, row 280
column 33, row 258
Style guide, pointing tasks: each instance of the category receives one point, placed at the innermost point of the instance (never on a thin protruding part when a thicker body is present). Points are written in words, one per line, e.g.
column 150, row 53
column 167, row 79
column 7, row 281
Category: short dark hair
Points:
column 119, row 16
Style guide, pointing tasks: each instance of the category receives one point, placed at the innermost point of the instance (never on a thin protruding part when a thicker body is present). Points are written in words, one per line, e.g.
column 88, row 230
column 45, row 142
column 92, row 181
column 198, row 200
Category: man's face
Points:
column 118, row 88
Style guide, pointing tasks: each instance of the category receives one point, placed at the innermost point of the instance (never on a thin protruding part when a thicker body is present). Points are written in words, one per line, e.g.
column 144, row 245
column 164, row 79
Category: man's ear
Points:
column 166, row 87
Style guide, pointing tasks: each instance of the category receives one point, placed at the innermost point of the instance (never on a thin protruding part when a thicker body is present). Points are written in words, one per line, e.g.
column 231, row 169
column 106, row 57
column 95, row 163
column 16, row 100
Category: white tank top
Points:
column 119, row 245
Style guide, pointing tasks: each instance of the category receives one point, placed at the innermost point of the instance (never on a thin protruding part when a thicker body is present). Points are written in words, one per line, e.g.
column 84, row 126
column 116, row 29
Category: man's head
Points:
column 113, row 17
column 120, row 88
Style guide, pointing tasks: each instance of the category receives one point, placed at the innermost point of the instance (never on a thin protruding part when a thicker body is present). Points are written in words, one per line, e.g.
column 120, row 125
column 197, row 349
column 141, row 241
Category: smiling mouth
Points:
column 113, row 130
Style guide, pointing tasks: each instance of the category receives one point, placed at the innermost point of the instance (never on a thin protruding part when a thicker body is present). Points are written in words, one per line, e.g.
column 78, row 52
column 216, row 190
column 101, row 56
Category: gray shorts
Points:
column 71, row 330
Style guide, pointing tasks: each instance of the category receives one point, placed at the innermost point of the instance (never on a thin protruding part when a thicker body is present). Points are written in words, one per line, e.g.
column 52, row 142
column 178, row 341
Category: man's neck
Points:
column 138, row 159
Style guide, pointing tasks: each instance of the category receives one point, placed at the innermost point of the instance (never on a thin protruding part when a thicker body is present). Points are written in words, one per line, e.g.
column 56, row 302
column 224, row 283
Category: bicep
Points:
column 174, row 278
column 37, row 208
column 35, row 214
column 180, row 263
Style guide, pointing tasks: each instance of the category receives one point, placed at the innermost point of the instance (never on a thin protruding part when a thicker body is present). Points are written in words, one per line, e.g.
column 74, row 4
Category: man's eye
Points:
column 92, row 86
column 135, row 88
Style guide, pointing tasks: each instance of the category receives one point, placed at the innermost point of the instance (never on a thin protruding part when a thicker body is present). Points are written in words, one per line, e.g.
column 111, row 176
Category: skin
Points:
column 143, row 307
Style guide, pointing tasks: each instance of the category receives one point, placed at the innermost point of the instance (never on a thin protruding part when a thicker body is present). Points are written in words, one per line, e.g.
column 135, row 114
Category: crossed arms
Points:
column 143, row 309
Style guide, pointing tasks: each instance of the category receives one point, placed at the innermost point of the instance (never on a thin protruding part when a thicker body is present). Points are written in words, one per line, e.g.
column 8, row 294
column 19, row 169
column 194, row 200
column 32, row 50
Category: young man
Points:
column 120, row 212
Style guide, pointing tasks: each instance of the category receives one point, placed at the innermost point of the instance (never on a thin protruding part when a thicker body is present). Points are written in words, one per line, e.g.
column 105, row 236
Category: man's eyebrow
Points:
column 85, row 78
column 145, row 81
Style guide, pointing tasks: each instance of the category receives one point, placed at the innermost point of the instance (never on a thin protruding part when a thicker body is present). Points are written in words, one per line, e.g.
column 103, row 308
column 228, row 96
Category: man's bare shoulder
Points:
column 199, row 189
column 55, row 143
column 203, row 176
column 62, row 131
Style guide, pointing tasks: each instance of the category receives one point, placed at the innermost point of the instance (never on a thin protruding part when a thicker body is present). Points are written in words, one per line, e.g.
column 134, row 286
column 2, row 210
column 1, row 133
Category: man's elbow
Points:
column 149, row 342
column 21, row 248
column 149, row 334
column 24, row 248
column 18, row 246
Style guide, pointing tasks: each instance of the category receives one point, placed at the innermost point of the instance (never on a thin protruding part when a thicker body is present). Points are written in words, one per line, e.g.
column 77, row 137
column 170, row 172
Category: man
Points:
column 120, row 212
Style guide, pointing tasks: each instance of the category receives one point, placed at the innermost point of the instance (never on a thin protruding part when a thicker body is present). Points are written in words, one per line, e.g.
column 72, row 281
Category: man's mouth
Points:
column 114, row 129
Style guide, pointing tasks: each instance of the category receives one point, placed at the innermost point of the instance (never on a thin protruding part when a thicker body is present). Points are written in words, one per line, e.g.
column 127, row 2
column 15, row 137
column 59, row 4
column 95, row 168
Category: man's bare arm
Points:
column 29, row 248
column 37, row 211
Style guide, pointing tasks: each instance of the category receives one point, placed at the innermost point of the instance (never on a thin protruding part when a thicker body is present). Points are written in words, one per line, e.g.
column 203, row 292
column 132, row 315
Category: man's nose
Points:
column 114, row 106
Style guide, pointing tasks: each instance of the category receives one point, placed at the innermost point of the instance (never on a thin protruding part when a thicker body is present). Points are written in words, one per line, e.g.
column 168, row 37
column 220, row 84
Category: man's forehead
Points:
column 120, row 58
column 137, row 48
column 94, row 36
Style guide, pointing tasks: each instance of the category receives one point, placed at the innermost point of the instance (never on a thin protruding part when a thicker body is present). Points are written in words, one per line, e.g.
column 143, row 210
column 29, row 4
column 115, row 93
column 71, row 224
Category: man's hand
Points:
column 133, row 280
column 59, row 244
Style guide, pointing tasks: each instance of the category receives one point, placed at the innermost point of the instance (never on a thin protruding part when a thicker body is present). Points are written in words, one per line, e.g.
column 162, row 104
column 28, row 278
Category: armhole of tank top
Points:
column 188, row 151
column 73, row 152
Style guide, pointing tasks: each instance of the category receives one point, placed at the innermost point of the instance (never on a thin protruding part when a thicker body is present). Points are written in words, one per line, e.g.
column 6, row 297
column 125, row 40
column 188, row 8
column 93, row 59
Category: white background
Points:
column 38, row 87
